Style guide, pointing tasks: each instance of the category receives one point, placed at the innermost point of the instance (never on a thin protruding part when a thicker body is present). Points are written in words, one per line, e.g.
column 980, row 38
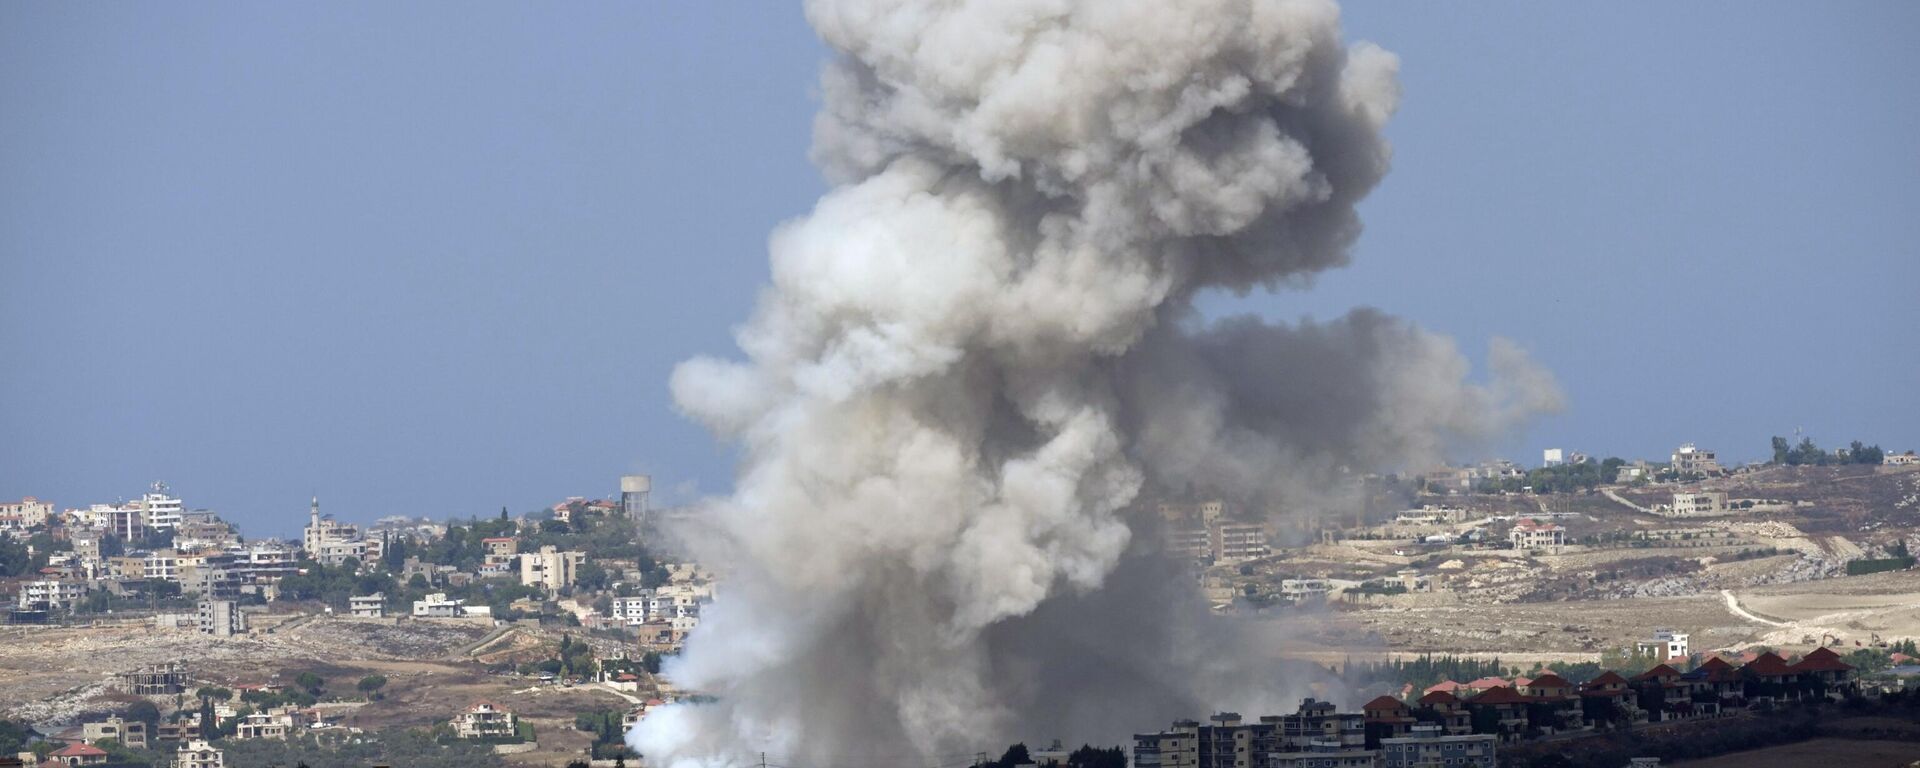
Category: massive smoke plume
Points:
column 980, row 347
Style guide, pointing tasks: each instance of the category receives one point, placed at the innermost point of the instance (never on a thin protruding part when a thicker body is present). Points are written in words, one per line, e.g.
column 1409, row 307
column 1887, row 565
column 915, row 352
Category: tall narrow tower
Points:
column 633, row 498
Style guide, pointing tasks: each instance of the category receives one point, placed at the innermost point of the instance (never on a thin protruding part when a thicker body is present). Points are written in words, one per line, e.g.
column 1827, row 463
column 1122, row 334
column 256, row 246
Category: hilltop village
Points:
column 1458, row 616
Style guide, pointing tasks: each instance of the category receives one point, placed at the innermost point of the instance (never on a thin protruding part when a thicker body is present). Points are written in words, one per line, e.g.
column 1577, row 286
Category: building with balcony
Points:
column 485, row 719
column 1432, row 745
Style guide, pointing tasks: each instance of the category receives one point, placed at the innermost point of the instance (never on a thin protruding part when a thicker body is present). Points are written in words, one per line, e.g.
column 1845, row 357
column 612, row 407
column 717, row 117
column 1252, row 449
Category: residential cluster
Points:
column 1463, row 724
column 155, row 549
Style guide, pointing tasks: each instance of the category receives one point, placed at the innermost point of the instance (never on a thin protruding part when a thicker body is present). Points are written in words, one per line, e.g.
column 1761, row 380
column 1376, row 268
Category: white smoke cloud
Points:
column 977, row 351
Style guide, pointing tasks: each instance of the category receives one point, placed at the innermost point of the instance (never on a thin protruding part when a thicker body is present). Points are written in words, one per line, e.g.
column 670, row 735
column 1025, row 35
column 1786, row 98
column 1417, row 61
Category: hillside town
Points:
column 540, row 636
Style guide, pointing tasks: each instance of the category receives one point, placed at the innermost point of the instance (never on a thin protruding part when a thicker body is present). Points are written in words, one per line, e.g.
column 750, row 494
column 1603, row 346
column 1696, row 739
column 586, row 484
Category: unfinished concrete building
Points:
column 154, row 680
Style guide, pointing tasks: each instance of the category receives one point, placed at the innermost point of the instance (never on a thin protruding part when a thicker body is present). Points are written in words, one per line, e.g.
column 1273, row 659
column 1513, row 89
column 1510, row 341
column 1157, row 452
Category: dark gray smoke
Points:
column 978, row 350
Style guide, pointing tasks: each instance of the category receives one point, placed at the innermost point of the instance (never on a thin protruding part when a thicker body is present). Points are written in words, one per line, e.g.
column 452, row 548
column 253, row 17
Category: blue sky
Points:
column 436, row 259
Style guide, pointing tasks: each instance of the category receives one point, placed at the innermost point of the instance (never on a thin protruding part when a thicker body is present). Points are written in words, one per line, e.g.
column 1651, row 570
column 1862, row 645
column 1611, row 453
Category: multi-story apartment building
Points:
column 222, row 618
column 631, row 610
column 26, row 513
column 1431, row 745
column 48, row 594
column 1689, row 459
column 160, row 511
column 129, row 522
column 197, row 753
column 161, row 565
column 1234, row 542
column 128, row 733
column 1334, row 737
column 550, row 568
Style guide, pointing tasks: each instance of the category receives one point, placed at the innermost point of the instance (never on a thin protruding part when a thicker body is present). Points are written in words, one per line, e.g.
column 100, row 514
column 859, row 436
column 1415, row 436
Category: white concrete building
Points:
column 484, row 719
column 162, row 512
column 372, row 606
column 276, row 723
column 1699, row 504
column 163, row 565
column 51, row 593
column 550, row 568
column 631, row 610
column 1666, row 641
column 1533, row 534
column 438, row 606
column 199, row 754
column 1553, row 457
column 329, row 541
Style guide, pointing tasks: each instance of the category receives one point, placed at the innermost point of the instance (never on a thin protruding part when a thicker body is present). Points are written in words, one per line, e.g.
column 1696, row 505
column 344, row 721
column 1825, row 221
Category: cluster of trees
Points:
column 1564, row 478
column 1087, row 756
column 1809, row 454
column 608, row 737
column 575, row 659
column 411, row 748
column 1420, row 672
column 15, row 559
column 13, row 737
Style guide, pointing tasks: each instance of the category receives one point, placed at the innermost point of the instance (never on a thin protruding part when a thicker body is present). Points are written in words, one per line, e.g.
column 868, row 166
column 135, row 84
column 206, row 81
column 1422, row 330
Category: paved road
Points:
column 1617, row 497
column 1733, row 604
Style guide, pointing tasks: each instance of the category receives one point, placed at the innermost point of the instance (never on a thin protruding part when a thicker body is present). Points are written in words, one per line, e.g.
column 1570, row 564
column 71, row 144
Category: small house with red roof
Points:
column 1446, row 709
column 1500, row 710
column 78, row 754
column 1611, row 699
column 1718, row 680
column 1665, row 695
column 1386, row 718
column 1824, row 672
column 1769, row 677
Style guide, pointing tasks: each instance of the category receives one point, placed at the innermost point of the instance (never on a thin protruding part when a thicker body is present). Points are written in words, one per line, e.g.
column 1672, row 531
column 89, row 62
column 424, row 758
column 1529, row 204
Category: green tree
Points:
column 143, row 711
column 1015, row 755
column 1781, row 451
column 371, row 684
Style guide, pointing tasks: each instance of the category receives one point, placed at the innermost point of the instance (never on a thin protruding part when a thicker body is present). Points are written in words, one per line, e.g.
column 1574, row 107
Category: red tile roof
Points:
column 1715, row 662
column 1822, row 660
column 1438, row 697
column 1383, row 702
column 1448, row 686
column 1608, row 677
column 80, row 750
column 1499, row 695
column 1548, row 680
column 1657, row 672
column 1768, row 664
column 1486, row 683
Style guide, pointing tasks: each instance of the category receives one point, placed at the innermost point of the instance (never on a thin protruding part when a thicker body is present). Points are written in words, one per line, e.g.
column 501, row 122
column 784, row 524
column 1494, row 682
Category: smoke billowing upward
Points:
column 980, row 347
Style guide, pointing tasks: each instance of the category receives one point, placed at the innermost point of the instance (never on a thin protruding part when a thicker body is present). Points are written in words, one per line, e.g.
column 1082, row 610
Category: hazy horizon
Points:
column 429, row 269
